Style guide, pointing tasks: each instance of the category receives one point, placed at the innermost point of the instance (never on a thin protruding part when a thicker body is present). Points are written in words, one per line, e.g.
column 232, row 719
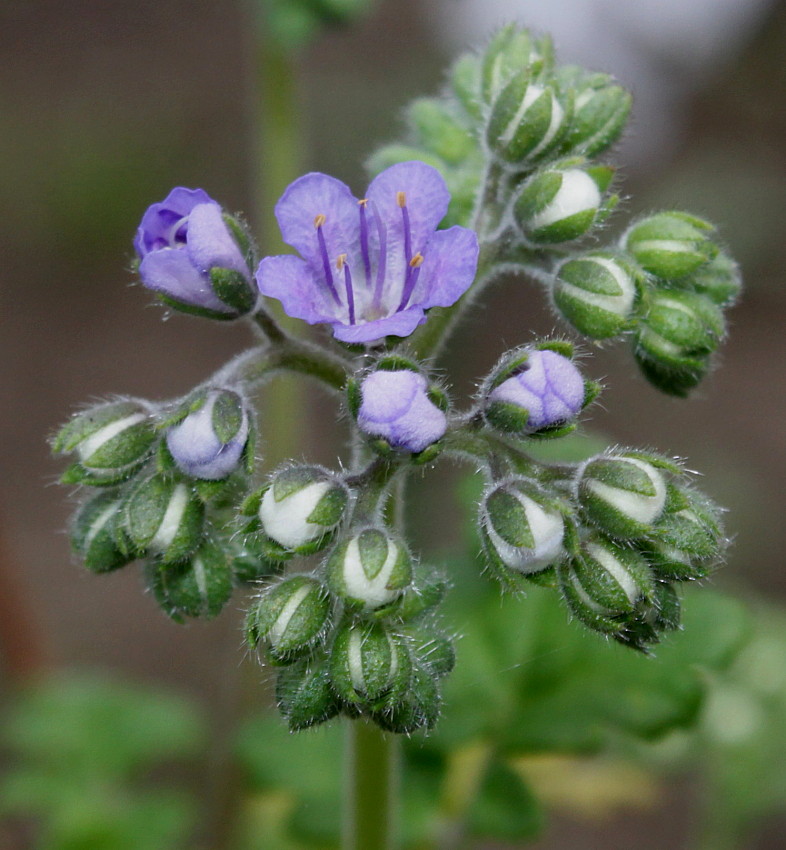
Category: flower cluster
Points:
column 499, row 175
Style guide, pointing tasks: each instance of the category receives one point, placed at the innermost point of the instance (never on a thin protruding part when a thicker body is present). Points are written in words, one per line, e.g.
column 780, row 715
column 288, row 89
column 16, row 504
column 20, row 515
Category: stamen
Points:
column 379, row 286
column 318, row 222
column 341, row 263
column 413, row 272
column 401, row 199
column 364, row 240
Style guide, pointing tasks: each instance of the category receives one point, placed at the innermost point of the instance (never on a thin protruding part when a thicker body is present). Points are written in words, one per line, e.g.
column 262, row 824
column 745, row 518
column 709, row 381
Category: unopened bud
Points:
column 439, row 130
column 288, row 618
column 369, row 570
column 670, row 245
column 112, row 441
column 418, row 708
column 521, row 528
column 622, row 495
column 596, row 293
column 164, row 517
column 511, row 51
column 304, row 695
column 719, row 280
column 97, row 534
column 600, row 112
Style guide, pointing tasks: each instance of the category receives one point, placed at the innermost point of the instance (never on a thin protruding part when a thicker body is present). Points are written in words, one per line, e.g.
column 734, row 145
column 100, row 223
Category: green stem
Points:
column 372, row 484
column 371, row 763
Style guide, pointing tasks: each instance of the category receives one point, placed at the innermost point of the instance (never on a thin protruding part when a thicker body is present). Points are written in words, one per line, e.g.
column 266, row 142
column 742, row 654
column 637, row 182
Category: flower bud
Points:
column 675, row 338
column 423, row 595
column 197, row 587
column 670, row 244
column 369, row 570
column 558, row 205
column 600, row 112
column 622, row 494
column 662, row 614
column 544, row 392
column 522, row 529
column 596, row 293
column 510, row 52
column 112, row 442
column 289, row 617
column 210, row 441
column 439, row 130
column 605, row 583
column 164, row 517
column 304, row 695
column 368, row 663
column 97, row 534
column 465, row 82
column 418, row 708
column 397, row 406
column 299, row 511
column 526, row 120
column 433, row 650
column 719, row 280
column 195, row 257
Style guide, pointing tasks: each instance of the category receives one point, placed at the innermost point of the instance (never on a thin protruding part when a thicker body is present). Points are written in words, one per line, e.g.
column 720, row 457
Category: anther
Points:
column 320, row 220
column 401, row 199
column 416, row 261
column 340, row 260
column 362, row 202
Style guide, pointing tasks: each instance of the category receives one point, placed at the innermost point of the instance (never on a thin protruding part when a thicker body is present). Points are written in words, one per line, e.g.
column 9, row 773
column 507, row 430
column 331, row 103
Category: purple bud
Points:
column 209, row 442
column 396, row 406
column 550, row 388
column 191, row 258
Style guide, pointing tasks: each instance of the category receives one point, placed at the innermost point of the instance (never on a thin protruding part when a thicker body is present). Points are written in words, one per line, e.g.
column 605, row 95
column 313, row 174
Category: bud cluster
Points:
column 166, row 478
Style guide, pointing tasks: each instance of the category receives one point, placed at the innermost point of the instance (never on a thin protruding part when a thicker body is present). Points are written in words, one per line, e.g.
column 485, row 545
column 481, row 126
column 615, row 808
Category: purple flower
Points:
column 550, row 388
column 395, row 405
column 189, row 256
column 210, row 441
column 369, row 267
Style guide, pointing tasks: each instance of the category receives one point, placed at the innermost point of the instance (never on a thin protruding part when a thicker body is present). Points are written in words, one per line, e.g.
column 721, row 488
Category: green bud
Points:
column 417, row 709
column 621, row 494
column 289, row 617
column 600, row 112
column 97, row 534
column 112, row 441
column 465, row 81
column 369, row 570
column 509, row 52
column 558, row 205
column 369, row 663
column 423, row 595
column 439, row 130
column 197, row 587
column 165, row 518
column 606, row 583
column 304, row 695
column 670, row 245
column 661, row 615
column 299, row 511
column 522, row 529
column 526, row 120
column 433, row 650
column 596, row 293
column 719, row 280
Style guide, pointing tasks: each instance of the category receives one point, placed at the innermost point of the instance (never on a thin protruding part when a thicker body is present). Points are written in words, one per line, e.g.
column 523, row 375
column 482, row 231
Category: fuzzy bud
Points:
column 288, row 618
column 606, row 583
column 510, row 52
column 544, row 392
column 304, row 695
column 197, row 587
column 369, row 663
column 596, row 293
column 97, row 534
column 623, row 495
column 600, row 112
column 719, row 280
column 209, row 442
column 522, row 529
column 369, row 570
column 558, row 205
column 112, row 441
column 418, row 708
column 299, row 511
column 670, row 245
column 164, row 517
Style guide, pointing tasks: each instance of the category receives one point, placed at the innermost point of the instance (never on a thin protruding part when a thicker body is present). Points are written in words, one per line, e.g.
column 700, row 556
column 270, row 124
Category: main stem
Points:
column 371, row 764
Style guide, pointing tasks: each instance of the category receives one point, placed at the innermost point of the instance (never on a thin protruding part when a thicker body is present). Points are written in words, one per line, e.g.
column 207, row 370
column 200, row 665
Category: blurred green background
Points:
column 105, row 107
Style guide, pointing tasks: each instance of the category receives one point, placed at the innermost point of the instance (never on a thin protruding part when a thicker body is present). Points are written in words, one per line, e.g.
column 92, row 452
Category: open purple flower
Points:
column 189, row 256
column 369, row 267
column 396, row 406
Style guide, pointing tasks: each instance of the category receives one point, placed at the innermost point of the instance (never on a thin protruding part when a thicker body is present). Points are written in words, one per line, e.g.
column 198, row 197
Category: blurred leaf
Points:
column 505, row 808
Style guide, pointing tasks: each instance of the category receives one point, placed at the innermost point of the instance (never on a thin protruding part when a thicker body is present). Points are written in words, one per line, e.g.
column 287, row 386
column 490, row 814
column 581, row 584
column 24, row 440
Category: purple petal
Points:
column 388, row 395
column 159, row 218
column 209, row 242
column 448, row 270
column 170, row 272
column 293, row 282
column 399, row 324
column 314, row 195
column 423, row 425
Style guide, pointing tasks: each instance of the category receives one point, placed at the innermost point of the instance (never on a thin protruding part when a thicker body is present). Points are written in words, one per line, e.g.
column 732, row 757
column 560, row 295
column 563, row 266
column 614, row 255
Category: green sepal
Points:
column 233, row 289
column 507, row 417
column 396, row 363
column 429, row 454
column 439, row 129
column 509, row 52
column 197, row 587
column 559, row 346
column 673, row 380
column 304, row 695
column 248, row 567
column 648, row 241
column 600, row 114
column 719, row 280
column 536, row 195
column 85, row 424
column 432, row 649
column 566, row 229
column 603, row 175
column 192, row 310
column 418, row 708
column 97, row 534
column 465, row 81
column 533, row 127
column 240, row 233
column 511, row 580
column 331, row 507
column 423, row 595
column 77, row 474
column 227, row 415
column 354, row 397
column 592, row 389
column 509, row 519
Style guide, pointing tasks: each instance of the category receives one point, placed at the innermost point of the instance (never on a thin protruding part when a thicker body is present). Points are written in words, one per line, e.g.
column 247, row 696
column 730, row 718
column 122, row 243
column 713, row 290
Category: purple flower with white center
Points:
column 396, row 406
column 209, row 442
column 371, row 267
column 549, row 388
column 189, row 256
